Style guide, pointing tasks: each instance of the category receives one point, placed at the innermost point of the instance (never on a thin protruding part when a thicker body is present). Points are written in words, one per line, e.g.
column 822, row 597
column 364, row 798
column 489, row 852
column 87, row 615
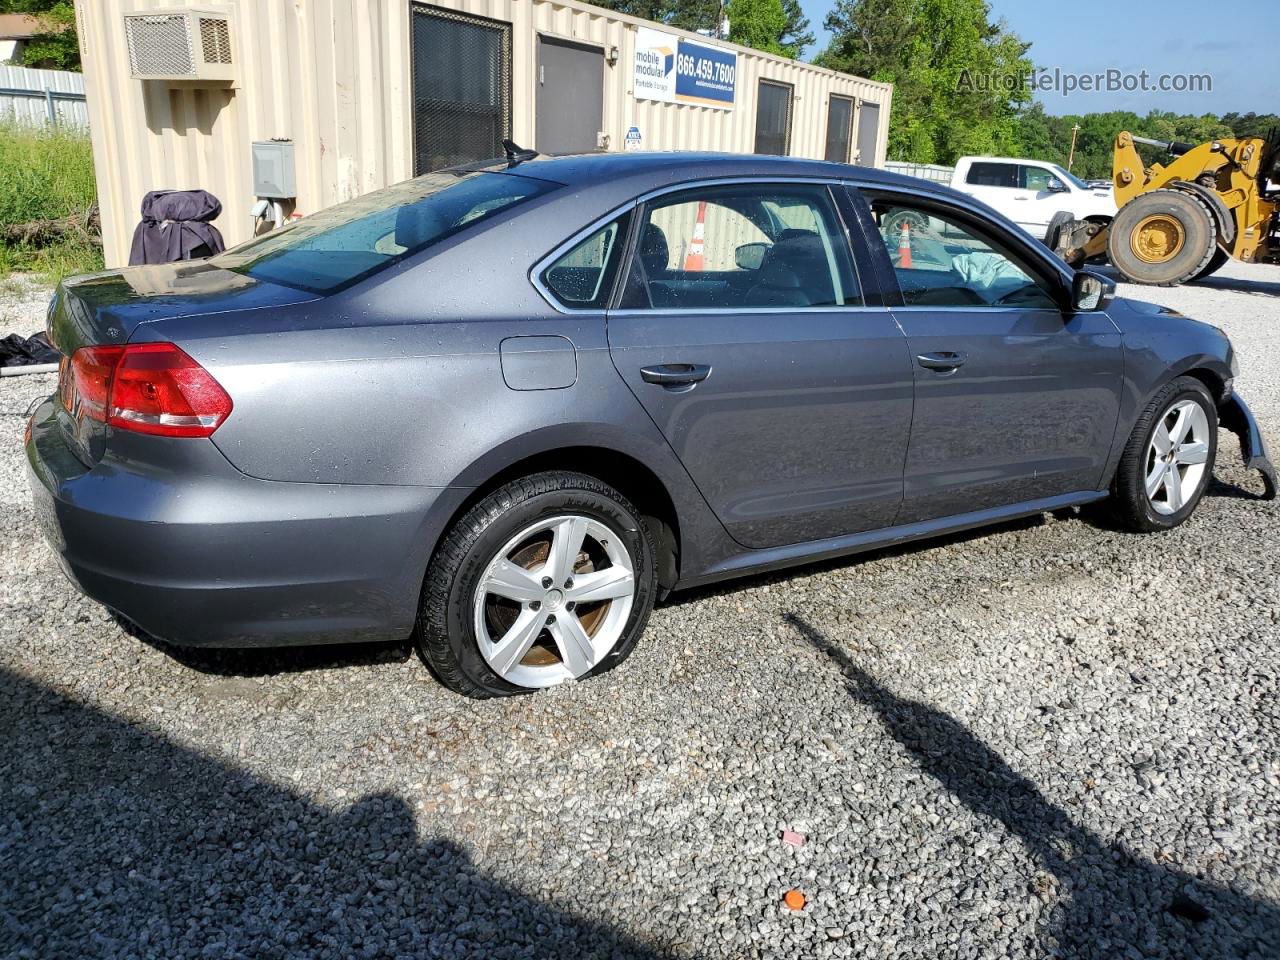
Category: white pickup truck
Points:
column 1030, row 192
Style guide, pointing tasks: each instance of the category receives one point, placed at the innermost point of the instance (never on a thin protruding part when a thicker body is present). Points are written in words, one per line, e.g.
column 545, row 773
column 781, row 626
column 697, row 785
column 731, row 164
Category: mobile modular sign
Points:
column 676, row 70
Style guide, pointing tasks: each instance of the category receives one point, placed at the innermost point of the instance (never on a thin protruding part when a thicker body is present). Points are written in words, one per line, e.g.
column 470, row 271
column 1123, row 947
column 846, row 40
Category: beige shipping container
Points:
column 336, row 78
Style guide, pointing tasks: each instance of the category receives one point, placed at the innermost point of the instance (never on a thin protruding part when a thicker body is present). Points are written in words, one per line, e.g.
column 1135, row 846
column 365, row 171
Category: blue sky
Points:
column 1236, row 43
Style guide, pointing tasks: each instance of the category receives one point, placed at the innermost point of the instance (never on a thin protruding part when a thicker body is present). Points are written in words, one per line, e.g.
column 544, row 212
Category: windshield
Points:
column 1066, row 175
column 350, row 241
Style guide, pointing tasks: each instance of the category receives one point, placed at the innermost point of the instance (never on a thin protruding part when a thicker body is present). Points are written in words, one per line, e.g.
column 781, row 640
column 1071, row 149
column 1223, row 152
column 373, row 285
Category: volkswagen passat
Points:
column 503, row 408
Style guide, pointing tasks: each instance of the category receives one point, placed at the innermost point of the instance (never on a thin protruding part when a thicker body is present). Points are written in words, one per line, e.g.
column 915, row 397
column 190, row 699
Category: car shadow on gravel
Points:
column 786, row 575
column 1106, row 902
column 272, row 661
column 115, row 841
column 1233, row 491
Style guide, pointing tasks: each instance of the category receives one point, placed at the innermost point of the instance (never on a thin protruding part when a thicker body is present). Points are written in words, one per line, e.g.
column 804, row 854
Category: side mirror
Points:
column 750, row 256
column 1091, row 291
column 1057, row 186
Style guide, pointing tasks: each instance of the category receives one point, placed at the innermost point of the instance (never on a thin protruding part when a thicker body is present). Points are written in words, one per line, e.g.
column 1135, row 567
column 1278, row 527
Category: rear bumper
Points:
column 1235, row 415
column 196, row 553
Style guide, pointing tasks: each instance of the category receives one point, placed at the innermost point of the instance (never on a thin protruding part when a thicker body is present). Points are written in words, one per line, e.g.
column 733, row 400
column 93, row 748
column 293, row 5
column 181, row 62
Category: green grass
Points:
column 47, row 174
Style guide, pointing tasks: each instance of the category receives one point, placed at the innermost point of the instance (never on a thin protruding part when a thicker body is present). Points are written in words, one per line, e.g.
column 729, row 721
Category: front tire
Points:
column 1168, row 461
column 547, row 579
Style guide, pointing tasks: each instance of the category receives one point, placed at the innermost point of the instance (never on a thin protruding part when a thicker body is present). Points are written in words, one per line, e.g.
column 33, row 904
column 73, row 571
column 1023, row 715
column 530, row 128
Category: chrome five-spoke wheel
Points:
column 553, row 601
column 1176, row 457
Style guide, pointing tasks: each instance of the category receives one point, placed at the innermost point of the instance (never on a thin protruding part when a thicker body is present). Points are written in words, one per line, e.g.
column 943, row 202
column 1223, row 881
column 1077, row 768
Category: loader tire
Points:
column 1051, row 235
column 1214, row 265
column 1162, row 238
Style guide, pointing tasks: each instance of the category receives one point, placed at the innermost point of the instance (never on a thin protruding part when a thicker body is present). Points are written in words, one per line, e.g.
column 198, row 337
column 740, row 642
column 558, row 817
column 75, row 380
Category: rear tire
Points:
column 1168, row 461
column 1162, row 238
column 548, row 578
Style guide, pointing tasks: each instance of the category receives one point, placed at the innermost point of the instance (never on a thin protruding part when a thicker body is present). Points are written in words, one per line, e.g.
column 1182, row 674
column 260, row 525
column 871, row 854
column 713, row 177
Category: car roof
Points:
column 658, row 169
column 605, row 180
column 973, row 159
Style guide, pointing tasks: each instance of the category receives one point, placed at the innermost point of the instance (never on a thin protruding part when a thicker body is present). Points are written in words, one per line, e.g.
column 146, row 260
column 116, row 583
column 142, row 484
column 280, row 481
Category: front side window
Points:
column 334, row 248
column 1036, row 178
column 583, row 277
column 984, row 174
column 1070, row 178
column 940, row 261
column 749, row 246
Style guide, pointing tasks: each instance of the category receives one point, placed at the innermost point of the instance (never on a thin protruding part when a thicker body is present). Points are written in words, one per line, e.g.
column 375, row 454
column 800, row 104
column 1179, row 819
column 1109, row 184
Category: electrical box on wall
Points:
column 273, row 175
column 180, row 44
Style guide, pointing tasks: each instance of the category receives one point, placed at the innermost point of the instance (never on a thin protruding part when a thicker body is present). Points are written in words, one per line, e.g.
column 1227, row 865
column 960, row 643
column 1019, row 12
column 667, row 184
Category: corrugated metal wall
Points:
column 334, row 76
column 34, row 109
column 331, row 75
column 925, row 171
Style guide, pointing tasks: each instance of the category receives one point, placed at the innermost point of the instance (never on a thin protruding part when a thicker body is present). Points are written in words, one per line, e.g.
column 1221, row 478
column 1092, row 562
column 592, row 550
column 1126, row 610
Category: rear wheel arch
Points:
column 627, row 474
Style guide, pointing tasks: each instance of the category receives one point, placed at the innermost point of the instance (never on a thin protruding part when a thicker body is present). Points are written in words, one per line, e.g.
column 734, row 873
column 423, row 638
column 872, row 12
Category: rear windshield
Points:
column 350, row 241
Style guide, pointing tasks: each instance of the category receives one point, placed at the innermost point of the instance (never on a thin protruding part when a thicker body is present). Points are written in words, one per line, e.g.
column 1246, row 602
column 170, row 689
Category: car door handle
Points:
column 942, row 360
column 676, row 374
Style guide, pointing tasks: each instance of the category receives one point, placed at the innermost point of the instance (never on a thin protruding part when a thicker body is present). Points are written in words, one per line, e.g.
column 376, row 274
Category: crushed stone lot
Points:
column 1046, row 739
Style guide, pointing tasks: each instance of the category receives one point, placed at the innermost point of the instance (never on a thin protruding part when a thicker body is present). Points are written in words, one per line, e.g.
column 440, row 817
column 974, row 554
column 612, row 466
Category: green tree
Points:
column 1042, row 137
column 757, row 23
column 644, row 9
column 776, row 26
column 1251, row 124
column 697, row 15
column 796, row 34
column 959, row 78
column 57, row 48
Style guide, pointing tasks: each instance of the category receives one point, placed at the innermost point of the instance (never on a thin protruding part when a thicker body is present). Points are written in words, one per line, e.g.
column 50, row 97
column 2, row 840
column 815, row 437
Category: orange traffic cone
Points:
column 694, row 259
column 904, row 246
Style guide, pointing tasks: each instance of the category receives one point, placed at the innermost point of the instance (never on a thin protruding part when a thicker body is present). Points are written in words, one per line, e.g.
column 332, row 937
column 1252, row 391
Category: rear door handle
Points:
column 942, row 360
column 676, row 374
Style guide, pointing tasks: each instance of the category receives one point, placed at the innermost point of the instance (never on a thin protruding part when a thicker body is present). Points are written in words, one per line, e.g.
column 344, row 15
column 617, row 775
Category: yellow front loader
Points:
column 1183, row 221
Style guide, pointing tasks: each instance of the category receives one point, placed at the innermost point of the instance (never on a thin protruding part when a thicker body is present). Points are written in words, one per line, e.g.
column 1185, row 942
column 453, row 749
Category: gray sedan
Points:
column 505, row 408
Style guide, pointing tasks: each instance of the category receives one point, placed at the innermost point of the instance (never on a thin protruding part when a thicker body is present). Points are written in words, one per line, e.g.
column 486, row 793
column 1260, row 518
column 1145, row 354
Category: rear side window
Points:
column 345, row 243
column 583, row 277
column 749, row 246
column 993, row 175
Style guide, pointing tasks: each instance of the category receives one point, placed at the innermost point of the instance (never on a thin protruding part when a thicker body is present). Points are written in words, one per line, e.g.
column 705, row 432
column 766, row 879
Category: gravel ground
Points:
column 1041, row 740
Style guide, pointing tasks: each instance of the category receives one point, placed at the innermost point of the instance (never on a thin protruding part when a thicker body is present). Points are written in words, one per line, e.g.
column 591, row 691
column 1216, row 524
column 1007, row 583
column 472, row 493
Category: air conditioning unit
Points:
column 180, row 44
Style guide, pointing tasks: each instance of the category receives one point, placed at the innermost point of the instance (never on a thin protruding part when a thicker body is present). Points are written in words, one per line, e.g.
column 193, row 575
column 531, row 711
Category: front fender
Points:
column 1235, row 415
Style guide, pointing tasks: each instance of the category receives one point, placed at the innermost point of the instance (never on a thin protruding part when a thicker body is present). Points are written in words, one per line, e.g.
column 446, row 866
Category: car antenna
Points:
column 517, row 154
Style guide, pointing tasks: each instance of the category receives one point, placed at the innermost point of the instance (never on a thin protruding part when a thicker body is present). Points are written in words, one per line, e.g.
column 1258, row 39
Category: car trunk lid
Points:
column 105, row 309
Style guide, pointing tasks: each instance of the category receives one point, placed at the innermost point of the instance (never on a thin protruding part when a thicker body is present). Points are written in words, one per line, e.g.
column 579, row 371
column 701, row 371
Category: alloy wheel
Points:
column 1176, row 457
column 554, row 601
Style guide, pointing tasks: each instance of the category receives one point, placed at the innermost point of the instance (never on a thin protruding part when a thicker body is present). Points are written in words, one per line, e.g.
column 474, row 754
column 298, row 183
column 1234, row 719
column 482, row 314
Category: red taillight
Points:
column 147, row 388
column 91, row 369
